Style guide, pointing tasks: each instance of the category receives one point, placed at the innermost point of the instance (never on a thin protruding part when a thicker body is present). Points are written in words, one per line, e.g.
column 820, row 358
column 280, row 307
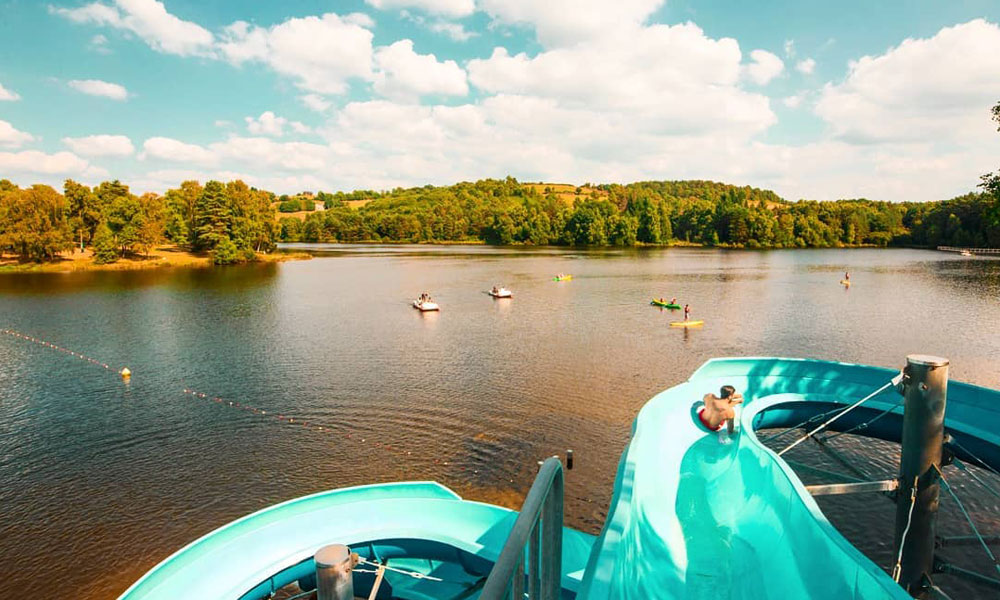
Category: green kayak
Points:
column 655, row 302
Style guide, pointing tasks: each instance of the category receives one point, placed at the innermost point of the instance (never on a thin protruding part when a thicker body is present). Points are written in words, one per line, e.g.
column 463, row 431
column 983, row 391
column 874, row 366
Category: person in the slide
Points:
column 720, row 409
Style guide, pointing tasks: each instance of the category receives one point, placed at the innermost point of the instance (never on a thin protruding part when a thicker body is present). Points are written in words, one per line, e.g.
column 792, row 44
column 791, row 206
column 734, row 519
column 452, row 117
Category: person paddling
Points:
column 847, row 275
column 687, row 311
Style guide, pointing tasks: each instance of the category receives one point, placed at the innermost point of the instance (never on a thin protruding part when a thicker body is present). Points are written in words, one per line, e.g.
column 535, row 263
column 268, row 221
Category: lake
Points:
column 100, row 480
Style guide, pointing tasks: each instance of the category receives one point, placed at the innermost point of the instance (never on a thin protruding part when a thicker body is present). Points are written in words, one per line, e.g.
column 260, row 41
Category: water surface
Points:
column 102, row 480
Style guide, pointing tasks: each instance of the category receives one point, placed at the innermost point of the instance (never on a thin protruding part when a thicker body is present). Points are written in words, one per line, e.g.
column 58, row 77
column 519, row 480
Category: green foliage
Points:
column 105, row 247
column 213, row 216
column 226, row 252
column 34, row 222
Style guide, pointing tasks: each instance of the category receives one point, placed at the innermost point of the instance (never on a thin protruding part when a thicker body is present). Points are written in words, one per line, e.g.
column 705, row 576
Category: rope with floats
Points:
column 891, row 383
column 124, row 371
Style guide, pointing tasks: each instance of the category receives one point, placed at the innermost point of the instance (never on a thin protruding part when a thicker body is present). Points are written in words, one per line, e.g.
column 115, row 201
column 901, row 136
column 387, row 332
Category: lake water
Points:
column 101, row 480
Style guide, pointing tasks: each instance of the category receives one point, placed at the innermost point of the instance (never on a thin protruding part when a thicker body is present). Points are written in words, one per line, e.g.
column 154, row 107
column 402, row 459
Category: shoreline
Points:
column 160, row 258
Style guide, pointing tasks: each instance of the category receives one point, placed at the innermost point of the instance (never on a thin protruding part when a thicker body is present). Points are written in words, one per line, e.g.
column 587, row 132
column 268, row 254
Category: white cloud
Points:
column 100, row 145
column 173, row 150
column 404, row 74
column 261, row 152
column 99, row 44
column 8, row 95
column 693, row 87
column 566, row 22
column 299, row 127
column 266, row 124
column 315, row 102
column 790, row 48
column 321, row 53
column 793, row 101
column 764, row 67
column 149, row 20
column 35, row 162
column 10, row 137
column 449, row 8
column 455, row 31
column 806, row 66
column 938, row 88
column 96, row 87
column 222, row 123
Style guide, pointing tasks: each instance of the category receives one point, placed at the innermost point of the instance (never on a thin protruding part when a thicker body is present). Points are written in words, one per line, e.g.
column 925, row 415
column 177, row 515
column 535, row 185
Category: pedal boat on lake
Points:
column 426, row 305
column 563, row 278
column 689, row 517
column 500, row 292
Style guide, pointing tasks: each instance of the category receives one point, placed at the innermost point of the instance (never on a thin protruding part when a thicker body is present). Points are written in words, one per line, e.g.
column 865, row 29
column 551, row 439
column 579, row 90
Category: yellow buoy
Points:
column 126, row 373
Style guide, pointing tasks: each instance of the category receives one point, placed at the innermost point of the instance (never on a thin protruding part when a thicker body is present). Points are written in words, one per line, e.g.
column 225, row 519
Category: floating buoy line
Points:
column 124, row 372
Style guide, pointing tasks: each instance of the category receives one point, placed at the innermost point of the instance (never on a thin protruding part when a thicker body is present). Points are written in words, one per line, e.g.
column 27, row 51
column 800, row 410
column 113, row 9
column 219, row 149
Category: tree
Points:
column 991, row 182
column 33, row 222
column 225, row 252
column 181, row 208
column 212, row 216
column 105, row 247
column 84, row 210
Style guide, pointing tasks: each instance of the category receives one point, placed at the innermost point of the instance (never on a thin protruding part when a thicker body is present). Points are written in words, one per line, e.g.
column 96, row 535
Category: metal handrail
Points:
column 539, row 526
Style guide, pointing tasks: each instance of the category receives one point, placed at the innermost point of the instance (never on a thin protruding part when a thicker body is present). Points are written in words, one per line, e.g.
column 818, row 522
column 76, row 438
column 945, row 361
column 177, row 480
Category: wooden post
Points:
column 925, row 394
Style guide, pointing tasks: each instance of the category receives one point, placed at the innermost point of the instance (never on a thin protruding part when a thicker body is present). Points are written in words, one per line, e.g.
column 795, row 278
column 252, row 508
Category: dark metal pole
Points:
column 925, row 392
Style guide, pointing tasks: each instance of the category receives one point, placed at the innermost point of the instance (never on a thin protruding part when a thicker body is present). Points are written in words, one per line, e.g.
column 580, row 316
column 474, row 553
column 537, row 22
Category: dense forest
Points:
column 230, row 221
column 234, row 222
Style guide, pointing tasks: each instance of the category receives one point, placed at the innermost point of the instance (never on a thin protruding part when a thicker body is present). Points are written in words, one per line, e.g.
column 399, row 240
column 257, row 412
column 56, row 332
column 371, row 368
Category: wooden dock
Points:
column 972, row 250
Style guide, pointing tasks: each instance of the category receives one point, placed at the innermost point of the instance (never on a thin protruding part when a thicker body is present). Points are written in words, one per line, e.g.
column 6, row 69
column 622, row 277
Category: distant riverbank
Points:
column 164, row 256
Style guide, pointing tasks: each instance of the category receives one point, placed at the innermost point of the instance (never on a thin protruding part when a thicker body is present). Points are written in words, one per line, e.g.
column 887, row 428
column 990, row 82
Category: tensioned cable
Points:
column 863, row 425
column 811, row 419
column 972, row 524
column 978, row 460
column 972, row 474
column 898, row 568
column 892, row 382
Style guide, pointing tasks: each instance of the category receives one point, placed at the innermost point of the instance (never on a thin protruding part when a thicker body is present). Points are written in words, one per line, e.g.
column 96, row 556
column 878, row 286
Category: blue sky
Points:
column 815, row 100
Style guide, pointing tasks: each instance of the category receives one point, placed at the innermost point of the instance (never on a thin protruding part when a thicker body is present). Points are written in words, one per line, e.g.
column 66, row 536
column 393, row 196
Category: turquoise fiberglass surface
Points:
column 694, row 518
column 237, row 557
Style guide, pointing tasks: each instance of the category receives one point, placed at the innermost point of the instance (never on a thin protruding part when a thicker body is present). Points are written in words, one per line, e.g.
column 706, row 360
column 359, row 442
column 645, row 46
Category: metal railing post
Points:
column 333, row 573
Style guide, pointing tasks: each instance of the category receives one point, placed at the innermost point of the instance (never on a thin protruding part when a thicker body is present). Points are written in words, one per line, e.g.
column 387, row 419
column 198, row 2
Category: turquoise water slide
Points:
column 412, row 521
column 695, row 518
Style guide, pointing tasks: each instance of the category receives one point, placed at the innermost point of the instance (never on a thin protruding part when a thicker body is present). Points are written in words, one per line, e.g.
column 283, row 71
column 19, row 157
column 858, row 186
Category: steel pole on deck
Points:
column 333, row 573
column 925, row 392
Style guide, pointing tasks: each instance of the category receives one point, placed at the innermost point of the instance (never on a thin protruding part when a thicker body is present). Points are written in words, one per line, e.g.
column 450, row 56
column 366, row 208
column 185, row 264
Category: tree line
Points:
column 653, row 212
column 231, row 221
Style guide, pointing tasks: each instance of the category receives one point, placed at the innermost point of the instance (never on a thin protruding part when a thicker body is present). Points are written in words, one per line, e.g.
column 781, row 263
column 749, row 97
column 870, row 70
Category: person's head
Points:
column 726, row 391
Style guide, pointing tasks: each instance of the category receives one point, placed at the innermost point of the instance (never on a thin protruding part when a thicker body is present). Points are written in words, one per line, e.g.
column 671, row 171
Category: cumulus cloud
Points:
column 100, row 145
column 404, row 74
column 96, row 87
column 35, row 162
column 147, row 19
column 172, row 150
column 567, row 22
column 8, row 95
column 455, row 31
column 266, row 124
column 320, row 53
column 806, row 67
column 764, row 67
column 933, row 88
column 793, row 101
column 10, row 137
column 449, row 8
column 315, row 102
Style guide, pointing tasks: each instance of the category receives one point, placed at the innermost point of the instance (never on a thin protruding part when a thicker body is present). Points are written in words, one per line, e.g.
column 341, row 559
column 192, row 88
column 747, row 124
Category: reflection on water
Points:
column 477, row 393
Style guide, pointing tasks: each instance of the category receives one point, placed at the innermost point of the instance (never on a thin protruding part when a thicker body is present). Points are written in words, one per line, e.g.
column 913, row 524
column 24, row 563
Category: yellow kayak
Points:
column 845, row 282
column 686, row 323
column 563, row 278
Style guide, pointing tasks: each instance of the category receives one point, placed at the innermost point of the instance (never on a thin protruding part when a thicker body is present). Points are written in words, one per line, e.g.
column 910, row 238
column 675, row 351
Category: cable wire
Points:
column 898, row 568
column 968, row 518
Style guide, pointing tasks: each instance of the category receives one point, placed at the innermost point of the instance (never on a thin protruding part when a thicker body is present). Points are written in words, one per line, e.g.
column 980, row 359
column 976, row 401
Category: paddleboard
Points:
column 686, row 323
column 845, row 282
